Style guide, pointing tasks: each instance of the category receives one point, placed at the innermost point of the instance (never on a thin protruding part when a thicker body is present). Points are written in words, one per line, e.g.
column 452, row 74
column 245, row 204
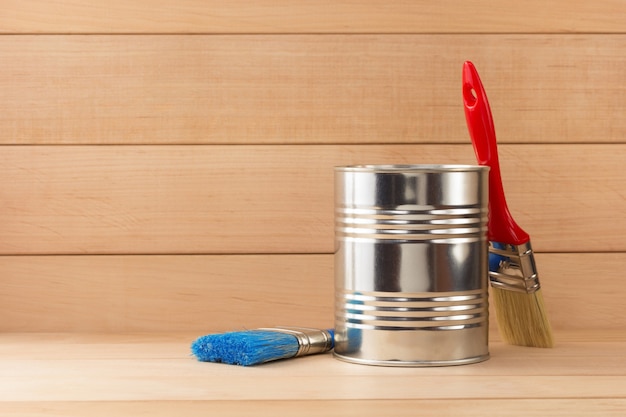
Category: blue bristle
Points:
column 245, row 348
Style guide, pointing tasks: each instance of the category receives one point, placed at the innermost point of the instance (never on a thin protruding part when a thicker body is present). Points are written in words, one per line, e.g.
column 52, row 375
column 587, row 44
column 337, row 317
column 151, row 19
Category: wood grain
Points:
column 205, row 294
column 273, row 199
column 570, row 407
column 307, row 89
column 229, row 225
column 575, row 371
column 165, row 293
column 325, row 16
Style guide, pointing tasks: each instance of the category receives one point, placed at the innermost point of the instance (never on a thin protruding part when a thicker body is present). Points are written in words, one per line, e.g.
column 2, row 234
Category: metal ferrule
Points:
column 310, row 340
column 517, row 271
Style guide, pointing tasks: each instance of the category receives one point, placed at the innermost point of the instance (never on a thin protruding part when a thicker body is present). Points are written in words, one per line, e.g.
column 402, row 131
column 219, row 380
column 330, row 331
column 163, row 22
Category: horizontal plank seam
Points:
column 19, row 255
column 312, row 33
column 290, row 144
column 24, row 255
column 495, row 399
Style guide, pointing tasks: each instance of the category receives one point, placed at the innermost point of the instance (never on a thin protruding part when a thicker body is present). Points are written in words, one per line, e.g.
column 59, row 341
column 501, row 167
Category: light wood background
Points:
column 167, row 165
column 166, row 172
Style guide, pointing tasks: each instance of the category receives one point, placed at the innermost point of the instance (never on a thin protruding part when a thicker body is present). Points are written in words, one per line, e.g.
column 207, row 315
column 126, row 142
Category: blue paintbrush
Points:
column 252, row 347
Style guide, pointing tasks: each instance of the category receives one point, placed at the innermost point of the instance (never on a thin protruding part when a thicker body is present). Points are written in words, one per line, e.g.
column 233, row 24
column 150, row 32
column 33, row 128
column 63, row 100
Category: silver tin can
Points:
column 411, row 264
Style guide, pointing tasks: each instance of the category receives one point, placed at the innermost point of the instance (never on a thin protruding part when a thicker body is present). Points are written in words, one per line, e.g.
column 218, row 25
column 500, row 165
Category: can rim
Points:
column 408, row 168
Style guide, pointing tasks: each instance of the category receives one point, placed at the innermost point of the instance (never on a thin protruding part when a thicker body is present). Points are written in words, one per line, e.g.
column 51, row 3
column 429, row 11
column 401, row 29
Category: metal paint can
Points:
column 411, row 264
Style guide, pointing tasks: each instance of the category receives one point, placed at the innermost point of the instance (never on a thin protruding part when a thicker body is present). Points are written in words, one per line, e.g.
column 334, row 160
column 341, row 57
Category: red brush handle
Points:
column 502, row 227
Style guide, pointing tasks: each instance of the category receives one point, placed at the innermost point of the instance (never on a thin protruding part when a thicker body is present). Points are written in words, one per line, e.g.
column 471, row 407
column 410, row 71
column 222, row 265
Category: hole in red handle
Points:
column 470, row 95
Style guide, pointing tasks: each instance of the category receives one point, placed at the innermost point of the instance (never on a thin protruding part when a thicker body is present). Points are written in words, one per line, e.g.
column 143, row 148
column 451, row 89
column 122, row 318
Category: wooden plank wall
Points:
column 167, row 165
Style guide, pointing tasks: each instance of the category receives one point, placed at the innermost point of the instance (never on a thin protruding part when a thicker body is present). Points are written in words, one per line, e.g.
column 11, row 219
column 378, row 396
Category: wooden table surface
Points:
column 154, row 374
